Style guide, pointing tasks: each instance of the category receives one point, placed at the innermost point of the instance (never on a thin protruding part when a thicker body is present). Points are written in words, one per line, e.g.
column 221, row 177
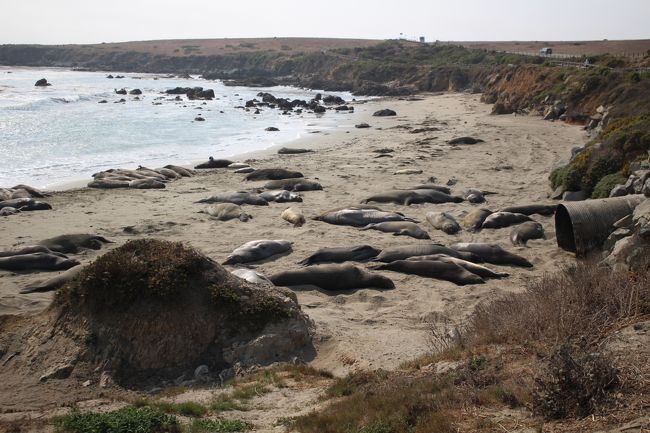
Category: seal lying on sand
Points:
column 357, row 253
column 479, row 270
column 254, row 251
column 433, row 186
column 227, row 212
column 294, row 151
column 499, row 220
column 280, row 196
column 214, row 163
column 36, row 261
column 473, row 221
column 474, row 195
column 332, row 277
column 443, row 221
column 180, row 170
column 440, row 270
column 6, row 211
column 74, row 243
column 273, row 174
column 296, row 184
column 492, row 253
column 251, row 276
column 402, row 253
column 25, row 204
column 521, row 234
column 360, row 217
column 407, row 197
column 530, row 209
column 399, row 228
column 239, row 198
column 30, row 250
column 465, row 140
column 53, row 283
column 293, row 216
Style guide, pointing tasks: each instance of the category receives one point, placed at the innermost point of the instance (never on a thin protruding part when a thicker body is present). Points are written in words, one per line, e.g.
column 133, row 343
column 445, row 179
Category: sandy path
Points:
column 365, row 328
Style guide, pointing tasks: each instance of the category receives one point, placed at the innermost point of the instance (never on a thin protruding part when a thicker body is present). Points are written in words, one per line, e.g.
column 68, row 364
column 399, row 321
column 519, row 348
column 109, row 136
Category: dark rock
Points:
column 574, row 196
column 199, row 119
column 499, row 108
column 109, row 76
column 319, row 109
column 103, row 101
column 121, row 92
column 344, row 108
column 385, row 112
column 135, row 92
column 318, row 97
column 333, row 100
column 120, row 101
column 362, row 125
column 42, row 83
column 465, row 140
column 618, row 191
column 271, row 129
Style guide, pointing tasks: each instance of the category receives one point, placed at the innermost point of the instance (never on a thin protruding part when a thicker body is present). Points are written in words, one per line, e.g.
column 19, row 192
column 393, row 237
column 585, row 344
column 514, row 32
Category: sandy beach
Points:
column 363, row 328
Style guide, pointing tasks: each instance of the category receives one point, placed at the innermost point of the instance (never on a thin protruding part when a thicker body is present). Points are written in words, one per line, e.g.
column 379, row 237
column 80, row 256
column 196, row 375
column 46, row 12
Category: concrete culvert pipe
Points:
column 584, row 225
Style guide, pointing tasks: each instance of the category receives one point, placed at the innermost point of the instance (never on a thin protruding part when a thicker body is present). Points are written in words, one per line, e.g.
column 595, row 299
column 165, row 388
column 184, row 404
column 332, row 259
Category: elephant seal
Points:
column 443, row 221
column 360, row 217
column 25, row 204
column 500, row 220
column 33, row 192
column 146, row 184
column 180, row 170
column 408, row 171
column 254, row 251
column 251, row 276
column 108, row 183
column 433, row 186
column 213, row 163
column 473, row 221
column 524, row 232
column 36, row 261
column 30, row 250
column 295, row 184
column 293, row 216
column 280, row 196
column 399, row 228
column 332, row 277
column 6, row 211
column 244, row 170
column 465, row 140
column 402, row 253
column 294, row 151
column 481, row 271
column 474, row 195
column 53, row 283
column 440, row 270
column 530, row 209
column 238, row 165
column 273, row 174
column 407, row 197
column 227, row 212
column 239, row 198
column 73, row 243
column 492, row 253
column 168, row 173
column 357, row 253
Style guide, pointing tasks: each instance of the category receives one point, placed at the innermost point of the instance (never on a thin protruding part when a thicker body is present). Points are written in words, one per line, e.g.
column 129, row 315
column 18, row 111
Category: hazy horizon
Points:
column 83, row 22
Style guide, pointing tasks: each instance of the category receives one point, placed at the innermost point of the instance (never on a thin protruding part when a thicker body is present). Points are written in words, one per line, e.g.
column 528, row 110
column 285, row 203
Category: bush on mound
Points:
column 156, row 309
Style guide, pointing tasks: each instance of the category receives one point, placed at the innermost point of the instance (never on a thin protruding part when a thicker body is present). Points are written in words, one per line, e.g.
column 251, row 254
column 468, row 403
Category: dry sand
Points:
column 363, row 328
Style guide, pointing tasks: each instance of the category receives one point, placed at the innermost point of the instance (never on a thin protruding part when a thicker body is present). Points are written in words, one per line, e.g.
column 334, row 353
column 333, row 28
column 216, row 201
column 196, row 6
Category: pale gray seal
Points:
column 399, row 228
column 360, row 217
column 499, row 220
column 73, row 243
column 227, row 212
column 473, row 221
column 251, row 276
column 332, row 277
column 214, row 163
column 6, row 211
column 357, row 253
column 407, row 197
column 474, row 195
column 492, row 253
column 296, row 184
column 273, row 174
column 53, row 283
column 292, row 151
column 280, row 196
column 180, row 170
column 402, row 253
column 474, row 268
column 440, row 270
column 36, row 261
column 254, row 251
column 239, row 198
column 293, row 216
column 443, row 221
column 146, row 184
column 521, row 234
column 530, row 209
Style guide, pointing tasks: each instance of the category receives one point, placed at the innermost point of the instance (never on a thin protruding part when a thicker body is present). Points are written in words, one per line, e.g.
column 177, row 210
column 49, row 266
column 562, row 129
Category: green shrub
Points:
column 606, row 184
column 219, row 426
column 127, row 420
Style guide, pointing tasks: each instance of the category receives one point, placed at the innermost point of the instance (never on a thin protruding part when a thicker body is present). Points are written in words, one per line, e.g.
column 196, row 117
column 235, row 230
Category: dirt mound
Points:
column 150, row 311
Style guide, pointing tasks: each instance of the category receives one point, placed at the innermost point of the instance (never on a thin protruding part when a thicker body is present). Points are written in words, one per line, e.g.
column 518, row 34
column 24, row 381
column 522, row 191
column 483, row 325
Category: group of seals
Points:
column 141, row 178
column 21, row 191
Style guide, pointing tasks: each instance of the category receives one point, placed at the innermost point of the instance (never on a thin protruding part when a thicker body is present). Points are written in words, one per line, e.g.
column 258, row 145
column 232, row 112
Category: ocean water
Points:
column 53, row 135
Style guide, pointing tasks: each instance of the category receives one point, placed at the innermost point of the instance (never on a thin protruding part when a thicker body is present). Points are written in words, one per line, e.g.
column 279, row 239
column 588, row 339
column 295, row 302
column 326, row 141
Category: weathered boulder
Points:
column 385, row 112
column 42, row 83
column 574, row 196
column 135, row 92
column 333, row 100
column 121, row 91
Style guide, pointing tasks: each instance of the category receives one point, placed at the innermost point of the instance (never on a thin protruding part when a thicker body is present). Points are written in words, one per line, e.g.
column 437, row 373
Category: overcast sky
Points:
column 94, row 21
